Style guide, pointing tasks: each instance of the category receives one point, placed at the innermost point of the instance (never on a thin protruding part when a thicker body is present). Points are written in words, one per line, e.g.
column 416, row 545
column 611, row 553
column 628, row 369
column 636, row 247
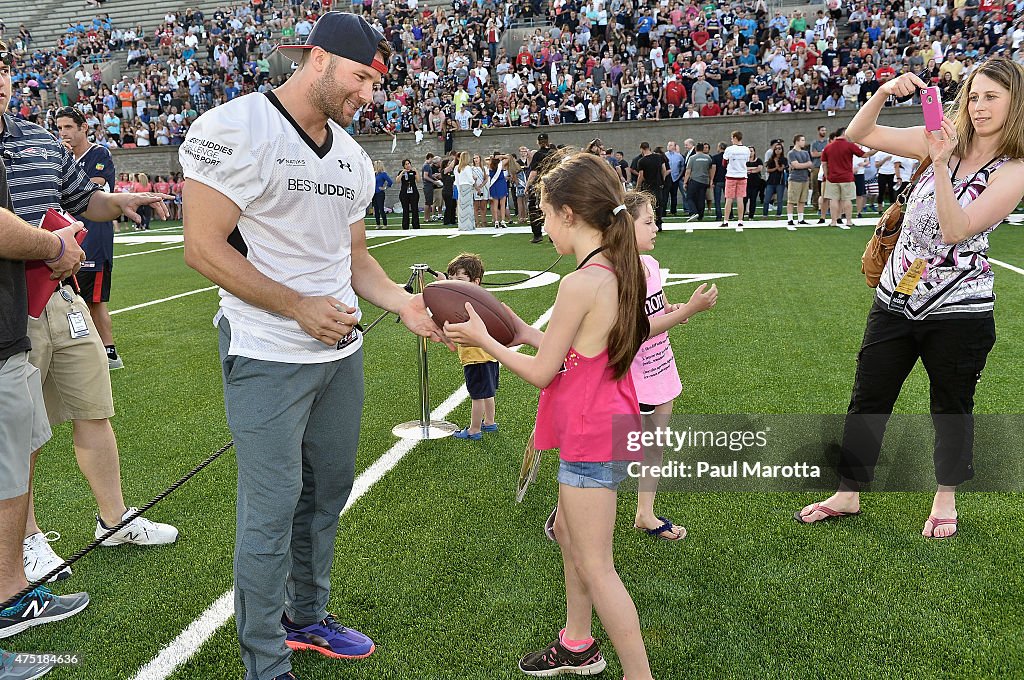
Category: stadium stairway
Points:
column 49, row 19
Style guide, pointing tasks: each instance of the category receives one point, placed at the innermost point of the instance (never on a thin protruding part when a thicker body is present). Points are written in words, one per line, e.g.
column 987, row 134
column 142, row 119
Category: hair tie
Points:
column 617, row 209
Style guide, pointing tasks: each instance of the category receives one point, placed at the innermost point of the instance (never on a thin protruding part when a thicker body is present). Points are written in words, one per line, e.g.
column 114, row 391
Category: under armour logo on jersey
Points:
column 345, row 166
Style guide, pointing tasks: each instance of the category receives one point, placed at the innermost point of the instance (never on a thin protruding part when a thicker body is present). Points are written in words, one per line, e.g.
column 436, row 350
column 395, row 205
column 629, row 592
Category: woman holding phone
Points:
column 975, row 180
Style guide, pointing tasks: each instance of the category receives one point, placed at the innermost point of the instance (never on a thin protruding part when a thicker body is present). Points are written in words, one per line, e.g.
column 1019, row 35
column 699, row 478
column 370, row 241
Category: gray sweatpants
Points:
column 296, row 431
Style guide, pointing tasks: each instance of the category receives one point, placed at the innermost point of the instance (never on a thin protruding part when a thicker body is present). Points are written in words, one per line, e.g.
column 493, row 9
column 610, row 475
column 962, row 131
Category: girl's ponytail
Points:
column 633, row 326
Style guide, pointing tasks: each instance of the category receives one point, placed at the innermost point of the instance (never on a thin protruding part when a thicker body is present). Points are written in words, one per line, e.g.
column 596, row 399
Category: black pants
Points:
column 953, row 352
column 696, row 194
column 379, row 216
column 658, row 191
column 145, row 214
column 536, row 216
column 672, row 193
column 885, row 186
column 411, row 207
column 449, row 207
column 753, row 192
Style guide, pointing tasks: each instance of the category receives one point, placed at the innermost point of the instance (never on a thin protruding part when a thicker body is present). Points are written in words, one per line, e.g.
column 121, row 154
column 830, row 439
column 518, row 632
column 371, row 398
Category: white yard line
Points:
column 189, row 641
column 147, row 252
column 1007, row 266
column 166, row 299
column 387, row 243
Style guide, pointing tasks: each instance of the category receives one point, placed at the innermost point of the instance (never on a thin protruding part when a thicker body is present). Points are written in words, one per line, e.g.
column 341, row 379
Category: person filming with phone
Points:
column 934, row 299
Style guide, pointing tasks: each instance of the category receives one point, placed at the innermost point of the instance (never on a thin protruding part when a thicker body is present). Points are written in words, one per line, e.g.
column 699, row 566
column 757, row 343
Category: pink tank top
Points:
column 654, row 371
column 577, row 410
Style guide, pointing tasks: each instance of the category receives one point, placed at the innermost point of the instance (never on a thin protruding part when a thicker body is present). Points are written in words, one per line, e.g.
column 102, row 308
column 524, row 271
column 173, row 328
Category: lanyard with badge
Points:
column 76, row 318
column 919, row 267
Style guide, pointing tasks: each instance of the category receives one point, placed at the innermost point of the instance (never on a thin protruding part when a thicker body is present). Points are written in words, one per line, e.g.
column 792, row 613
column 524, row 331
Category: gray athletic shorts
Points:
column 23, row 423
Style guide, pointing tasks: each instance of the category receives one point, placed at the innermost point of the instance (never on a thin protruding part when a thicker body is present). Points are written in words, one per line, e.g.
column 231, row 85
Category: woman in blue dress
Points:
column 382, row 181
column 497, row 180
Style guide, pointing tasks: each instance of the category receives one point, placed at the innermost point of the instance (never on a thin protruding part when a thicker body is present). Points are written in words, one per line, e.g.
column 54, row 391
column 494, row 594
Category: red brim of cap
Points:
column 376, row 64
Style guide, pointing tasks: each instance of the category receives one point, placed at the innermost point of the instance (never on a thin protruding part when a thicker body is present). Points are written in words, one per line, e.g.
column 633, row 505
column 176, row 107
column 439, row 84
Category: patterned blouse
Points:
column 958, row 279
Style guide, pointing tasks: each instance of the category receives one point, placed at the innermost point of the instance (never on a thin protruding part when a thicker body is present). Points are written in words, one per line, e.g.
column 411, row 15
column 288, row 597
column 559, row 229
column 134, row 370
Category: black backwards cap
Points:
column 344, row 35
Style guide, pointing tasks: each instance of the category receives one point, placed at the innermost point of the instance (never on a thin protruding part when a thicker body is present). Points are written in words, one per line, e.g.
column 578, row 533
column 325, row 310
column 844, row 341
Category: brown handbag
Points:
column 887, row 233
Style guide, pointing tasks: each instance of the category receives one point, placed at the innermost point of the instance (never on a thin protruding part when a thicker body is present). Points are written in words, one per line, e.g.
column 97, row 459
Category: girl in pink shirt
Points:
column 654, row 371
column 582, row 366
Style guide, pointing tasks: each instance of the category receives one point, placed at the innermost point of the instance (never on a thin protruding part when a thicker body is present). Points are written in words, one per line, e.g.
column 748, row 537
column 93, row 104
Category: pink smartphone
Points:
column 931, row 106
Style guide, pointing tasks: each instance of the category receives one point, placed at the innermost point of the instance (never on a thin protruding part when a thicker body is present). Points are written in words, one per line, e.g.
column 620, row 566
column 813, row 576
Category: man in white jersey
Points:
column 274, row 199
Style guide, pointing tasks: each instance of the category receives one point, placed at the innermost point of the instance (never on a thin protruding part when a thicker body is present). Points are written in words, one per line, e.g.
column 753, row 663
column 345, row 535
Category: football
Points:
column 447, row 300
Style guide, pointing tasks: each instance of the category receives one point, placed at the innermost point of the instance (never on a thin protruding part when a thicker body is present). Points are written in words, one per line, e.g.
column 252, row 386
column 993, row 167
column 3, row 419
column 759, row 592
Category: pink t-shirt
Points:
column 654, row 371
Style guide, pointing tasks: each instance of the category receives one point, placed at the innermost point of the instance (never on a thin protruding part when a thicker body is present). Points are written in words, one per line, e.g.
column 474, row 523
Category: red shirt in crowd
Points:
column 675, row 93
column 710, row 109
column 839, row 158
column 161, row 187
column 701, row 37
column 885, row 73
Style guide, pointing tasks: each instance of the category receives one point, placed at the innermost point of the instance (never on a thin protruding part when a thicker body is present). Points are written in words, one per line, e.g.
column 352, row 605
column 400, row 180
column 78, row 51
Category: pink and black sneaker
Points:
column 329, row 638
column 556, row 659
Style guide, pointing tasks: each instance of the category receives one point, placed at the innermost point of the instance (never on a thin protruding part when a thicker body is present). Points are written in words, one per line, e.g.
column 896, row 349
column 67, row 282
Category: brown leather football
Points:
column 447, row 300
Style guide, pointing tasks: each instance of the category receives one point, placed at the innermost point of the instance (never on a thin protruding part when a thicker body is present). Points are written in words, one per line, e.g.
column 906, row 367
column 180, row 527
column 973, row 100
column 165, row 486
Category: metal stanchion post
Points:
column 424, row 428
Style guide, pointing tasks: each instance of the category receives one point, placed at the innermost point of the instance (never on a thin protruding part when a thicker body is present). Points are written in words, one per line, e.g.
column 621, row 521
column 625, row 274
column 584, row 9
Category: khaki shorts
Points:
column 74, row 372
column 841, row 191
column 23, row 426
column 797, row 193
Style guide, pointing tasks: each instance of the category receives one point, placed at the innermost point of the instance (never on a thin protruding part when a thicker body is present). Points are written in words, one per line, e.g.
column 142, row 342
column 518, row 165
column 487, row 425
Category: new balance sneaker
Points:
column 329, row 638
column 40, row 559
column 11, row 669
column 38, row 607
column 555, row 659
column 139, row 531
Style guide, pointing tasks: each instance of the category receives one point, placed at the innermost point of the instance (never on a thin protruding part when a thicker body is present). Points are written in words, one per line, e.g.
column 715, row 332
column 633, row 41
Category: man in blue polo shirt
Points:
column 94, row 278
column 66, row 347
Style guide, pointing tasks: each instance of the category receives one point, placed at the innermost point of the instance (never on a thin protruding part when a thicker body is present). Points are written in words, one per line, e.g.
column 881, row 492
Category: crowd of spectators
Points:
column 604, row 61
column 594, row 61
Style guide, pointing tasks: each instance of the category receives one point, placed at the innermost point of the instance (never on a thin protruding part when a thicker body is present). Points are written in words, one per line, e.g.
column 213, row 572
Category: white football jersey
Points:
column 298, row 201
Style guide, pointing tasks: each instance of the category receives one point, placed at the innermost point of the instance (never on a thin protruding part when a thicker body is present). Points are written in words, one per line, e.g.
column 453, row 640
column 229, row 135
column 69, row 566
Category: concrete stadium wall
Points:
column 757, row 131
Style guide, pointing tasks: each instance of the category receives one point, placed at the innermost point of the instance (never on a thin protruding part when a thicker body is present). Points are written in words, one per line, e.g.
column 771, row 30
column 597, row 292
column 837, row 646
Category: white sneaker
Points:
column 139, row 531
column 114, row 364
column 40, row 559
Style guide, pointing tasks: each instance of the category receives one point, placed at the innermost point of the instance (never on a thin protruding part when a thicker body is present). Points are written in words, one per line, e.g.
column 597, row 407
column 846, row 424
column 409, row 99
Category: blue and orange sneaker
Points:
column 328, row 637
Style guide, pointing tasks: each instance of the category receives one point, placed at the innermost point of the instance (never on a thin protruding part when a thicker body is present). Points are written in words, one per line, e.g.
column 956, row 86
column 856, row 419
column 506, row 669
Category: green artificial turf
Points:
column 453, row 579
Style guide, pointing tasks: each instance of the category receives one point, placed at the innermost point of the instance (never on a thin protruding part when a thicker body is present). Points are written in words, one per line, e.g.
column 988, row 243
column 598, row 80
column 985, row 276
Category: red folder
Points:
column 37, row 273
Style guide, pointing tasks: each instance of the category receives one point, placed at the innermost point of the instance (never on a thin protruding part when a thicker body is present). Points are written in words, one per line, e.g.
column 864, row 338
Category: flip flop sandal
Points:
column 549, row 526
column 663, row 532
column 940, row 521
column 829, row 512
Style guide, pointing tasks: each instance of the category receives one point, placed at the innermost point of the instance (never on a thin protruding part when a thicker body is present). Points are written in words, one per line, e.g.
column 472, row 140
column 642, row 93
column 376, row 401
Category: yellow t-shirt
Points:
column 953, row 66
column 473, row 355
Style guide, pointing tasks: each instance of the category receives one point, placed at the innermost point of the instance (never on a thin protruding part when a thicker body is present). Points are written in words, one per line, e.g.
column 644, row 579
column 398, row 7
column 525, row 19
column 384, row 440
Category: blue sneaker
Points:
column 493, row 427
column 38, row 607
column 464, row 434
column 328, row 637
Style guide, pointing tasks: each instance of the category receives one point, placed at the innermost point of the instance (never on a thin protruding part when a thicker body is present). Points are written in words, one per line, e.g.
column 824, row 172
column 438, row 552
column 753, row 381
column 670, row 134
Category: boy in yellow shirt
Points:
column 480, row 368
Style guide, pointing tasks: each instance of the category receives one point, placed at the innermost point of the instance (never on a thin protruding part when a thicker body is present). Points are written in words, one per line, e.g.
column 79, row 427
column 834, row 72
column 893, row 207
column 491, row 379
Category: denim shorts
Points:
column 607, row 475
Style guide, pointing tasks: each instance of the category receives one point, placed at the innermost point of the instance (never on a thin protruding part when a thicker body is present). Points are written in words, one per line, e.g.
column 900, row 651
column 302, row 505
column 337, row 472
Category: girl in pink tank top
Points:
column 582, row 366
column 654, row 371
